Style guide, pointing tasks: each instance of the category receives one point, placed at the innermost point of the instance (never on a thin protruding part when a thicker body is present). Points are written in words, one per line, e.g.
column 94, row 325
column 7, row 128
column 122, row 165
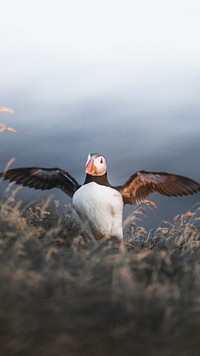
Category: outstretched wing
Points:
column 141, row 184
column 42, row 178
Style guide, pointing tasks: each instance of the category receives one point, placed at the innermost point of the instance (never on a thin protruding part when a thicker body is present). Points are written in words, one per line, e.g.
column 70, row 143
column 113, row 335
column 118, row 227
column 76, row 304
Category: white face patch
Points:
column 100, row 164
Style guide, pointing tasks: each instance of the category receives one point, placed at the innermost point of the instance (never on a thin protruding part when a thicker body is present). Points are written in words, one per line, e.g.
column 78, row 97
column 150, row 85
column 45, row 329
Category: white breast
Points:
column 101, row 208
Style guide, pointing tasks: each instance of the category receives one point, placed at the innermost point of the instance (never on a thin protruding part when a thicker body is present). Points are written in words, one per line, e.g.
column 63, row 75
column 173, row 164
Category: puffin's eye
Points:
column 101, row 161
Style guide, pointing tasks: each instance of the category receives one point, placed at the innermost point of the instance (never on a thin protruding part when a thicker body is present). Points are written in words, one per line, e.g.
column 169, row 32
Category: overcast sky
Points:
column 102, row 29
column 103, row 43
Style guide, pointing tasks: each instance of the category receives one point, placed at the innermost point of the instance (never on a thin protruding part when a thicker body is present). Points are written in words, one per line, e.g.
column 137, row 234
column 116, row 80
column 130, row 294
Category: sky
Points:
column 80, row 48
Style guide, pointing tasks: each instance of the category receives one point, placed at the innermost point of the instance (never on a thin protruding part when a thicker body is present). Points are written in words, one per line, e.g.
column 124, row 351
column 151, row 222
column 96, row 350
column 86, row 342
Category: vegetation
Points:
column 62, row 292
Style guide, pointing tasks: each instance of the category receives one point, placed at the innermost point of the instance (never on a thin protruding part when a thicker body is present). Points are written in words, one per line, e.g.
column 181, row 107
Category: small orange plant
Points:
column 4, row 127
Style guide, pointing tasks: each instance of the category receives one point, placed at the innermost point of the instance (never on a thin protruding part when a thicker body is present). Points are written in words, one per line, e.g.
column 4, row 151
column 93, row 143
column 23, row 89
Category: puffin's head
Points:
column 96, row 164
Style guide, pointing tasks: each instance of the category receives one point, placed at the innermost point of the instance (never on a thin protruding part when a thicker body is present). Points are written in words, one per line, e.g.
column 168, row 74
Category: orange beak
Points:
column 90, row 168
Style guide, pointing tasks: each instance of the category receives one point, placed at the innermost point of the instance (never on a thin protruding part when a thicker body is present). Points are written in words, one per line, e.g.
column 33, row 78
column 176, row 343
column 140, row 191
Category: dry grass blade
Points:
column 3, row 127
column 8, row 165
column 6, row 110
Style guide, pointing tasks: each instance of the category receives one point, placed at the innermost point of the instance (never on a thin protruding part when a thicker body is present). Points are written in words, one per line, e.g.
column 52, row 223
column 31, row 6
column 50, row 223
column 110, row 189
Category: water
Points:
column 146, row 130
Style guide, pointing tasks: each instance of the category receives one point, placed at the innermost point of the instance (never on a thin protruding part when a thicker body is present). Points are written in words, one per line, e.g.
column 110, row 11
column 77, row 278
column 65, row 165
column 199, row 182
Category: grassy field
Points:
column 62, row 292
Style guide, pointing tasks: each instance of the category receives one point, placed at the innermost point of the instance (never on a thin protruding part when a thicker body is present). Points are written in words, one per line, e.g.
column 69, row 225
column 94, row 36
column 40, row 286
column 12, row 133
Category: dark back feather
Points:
column 42, row 178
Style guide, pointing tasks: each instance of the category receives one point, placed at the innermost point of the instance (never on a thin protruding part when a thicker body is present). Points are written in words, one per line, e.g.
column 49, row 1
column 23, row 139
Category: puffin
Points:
column 98, row 203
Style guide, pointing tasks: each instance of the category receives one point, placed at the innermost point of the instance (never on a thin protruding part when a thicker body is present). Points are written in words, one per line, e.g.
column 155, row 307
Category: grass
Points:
column 62, row 292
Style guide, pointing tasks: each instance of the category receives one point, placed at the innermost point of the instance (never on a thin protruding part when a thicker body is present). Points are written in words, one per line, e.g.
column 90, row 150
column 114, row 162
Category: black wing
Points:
column 42, row 178
column 141, row 184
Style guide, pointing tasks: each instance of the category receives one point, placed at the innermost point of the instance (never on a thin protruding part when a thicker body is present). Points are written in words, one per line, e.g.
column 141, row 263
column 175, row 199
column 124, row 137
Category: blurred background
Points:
column 117, row 77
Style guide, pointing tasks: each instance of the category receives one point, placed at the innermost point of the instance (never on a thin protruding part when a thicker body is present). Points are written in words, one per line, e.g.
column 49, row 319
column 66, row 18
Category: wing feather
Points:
column 42, row 178
column 141, row 184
